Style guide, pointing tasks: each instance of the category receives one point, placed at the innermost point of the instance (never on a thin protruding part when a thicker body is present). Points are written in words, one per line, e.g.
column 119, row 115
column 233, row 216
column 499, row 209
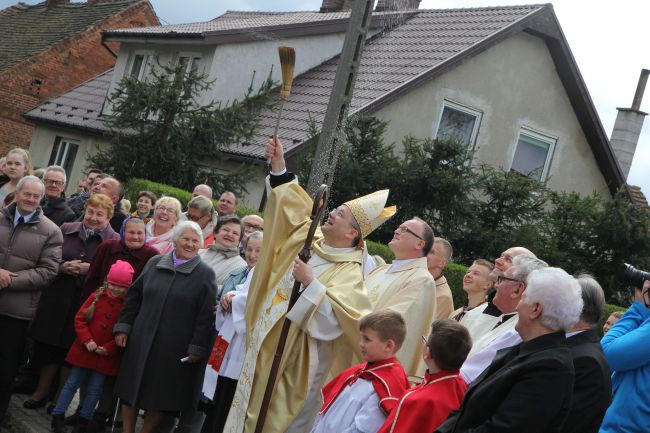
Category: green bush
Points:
column 134, row 186
column 454, row 274
column 381, row 250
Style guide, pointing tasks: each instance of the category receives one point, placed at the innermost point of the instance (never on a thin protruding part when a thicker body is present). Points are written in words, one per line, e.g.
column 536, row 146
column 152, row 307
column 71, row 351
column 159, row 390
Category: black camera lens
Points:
column 634, row 277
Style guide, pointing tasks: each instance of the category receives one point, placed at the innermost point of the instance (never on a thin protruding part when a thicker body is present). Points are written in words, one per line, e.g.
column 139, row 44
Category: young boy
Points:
column 359, row 399
column 425, row 406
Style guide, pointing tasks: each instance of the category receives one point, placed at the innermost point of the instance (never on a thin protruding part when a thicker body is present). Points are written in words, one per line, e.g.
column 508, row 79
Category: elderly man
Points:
column 406, row 286
column 528, row 387
column 30, row 252
column 324, row 334
column 476, row 284
column 437, row 260
column 53, row 204
column 483, row 318
column 592, row 388
column 227, row 204
column 202, row 190
column 201, row 211
column 510, row 288
column 77, row 202
column 114, row 190
column 252, row 223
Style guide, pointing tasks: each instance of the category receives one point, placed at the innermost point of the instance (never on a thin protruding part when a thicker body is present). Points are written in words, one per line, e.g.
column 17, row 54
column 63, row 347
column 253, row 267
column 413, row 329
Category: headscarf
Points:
column 123, row 229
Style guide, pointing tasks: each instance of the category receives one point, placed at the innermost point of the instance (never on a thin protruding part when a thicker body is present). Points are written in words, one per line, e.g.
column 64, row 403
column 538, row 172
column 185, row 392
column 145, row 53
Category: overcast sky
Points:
column 610, row 41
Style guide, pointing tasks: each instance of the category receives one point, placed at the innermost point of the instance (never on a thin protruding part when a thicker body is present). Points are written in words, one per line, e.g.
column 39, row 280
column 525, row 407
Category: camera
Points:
column 634, row 277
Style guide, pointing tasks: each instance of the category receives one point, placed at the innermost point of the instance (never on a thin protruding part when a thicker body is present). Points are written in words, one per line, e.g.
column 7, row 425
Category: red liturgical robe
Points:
column 388, row 379
column 425, row 406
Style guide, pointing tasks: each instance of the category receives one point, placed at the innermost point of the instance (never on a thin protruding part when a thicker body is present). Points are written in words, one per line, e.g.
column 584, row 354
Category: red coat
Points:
column 388, row 379
column 100, row 329
column 424, row 407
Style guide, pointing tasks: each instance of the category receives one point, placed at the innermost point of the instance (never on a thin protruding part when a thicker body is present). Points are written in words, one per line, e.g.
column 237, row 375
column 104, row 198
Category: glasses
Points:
column 424, row 339
column 53, row 182
column 167, row 210
column 501, row 279
column 253, row 226
column 404, row 229
column 196, row 218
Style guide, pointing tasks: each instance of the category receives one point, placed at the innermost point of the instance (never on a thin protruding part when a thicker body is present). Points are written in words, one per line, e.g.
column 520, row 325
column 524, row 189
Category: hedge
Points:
column 454, row 274
column 135, row 185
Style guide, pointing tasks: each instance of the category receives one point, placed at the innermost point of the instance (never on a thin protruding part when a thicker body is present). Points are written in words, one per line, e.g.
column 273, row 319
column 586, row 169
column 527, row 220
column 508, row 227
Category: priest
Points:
column 324, row 335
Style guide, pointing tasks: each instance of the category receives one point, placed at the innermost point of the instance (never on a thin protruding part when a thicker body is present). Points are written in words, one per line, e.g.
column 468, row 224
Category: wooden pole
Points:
column 320, row 200
column 331, row 135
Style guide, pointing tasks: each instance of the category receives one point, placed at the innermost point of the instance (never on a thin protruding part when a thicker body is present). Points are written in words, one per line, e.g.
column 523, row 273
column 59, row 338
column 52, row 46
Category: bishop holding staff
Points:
column 323, row 337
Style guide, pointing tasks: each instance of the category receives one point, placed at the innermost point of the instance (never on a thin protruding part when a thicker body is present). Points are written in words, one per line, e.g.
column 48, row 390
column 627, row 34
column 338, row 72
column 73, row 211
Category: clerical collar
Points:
column 571, row 334
column 398, row 264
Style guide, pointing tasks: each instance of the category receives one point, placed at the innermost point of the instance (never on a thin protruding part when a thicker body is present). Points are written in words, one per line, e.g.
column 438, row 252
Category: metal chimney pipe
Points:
column 640, row 89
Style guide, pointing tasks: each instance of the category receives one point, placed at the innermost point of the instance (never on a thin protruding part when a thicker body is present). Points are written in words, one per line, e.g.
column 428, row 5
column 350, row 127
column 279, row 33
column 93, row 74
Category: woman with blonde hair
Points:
column 17, row 165
column 167, row 213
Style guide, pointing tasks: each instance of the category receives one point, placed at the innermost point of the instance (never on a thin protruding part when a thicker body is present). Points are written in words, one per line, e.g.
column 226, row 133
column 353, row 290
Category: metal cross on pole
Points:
column 331, row 135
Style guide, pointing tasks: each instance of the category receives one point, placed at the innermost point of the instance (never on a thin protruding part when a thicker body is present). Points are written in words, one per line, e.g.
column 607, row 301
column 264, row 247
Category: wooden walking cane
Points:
column 320, row 200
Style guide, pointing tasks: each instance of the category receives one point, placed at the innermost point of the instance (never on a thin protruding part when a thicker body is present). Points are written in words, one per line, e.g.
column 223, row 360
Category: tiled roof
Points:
column 27, row 30
column 240, row 20
column 79, row 108
column 637, row 197
column 390, row 60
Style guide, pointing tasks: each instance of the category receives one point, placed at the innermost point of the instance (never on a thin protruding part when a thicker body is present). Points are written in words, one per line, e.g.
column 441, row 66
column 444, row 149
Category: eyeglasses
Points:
column 404, row 229
column 167, row 210
column 53, row 182
column 253, row 226
column 424, row 339
column 196, row 218
column 501, row 279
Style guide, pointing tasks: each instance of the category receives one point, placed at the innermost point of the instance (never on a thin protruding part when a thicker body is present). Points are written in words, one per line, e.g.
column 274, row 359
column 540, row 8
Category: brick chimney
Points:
column 627, row 127
column 397, row 5
column 52, row 3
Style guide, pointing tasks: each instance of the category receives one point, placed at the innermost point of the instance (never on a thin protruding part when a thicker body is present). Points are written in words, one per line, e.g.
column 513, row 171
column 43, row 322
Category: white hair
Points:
column 524, row 265
column 30, row 178
column 558, row 293
column 184, row 225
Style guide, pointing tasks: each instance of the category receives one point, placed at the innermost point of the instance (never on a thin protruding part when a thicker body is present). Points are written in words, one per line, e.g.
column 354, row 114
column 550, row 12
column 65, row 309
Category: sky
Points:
column 609, row 40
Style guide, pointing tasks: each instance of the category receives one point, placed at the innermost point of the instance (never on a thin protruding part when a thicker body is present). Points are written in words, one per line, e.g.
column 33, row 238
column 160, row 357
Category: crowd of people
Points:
column 177, row 312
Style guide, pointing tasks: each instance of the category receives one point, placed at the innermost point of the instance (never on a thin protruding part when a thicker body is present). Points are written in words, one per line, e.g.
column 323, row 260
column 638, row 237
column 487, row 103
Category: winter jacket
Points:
column 99, row 329
column 57, row 210
column 33, row 251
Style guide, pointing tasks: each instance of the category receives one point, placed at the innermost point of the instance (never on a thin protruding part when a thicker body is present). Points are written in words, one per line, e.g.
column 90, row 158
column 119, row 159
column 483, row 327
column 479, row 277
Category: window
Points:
column 533, row 154
column 64, row 153
column 140, row 66
column 458, row 123
column 189, row 62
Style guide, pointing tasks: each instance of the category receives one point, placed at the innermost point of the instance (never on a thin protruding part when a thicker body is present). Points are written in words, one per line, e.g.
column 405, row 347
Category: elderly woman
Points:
column 53, row 326
column 223, row 255
column 165, row 325
column 219, row 385
column 201, row 211
column 528, row 387
column 167, row 213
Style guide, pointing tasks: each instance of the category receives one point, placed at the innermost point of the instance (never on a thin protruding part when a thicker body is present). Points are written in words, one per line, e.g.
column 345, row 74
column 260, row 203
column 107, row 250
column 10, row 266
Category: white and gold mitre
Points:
column 369, row 211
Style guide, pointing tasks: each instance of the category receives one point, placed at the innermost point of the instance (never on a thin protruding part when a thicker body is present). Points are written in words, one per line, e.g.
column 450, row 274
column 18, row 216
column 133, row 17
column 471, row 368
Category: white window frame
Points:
column 148, row 58
column 541, row 136
column 454, row 105
column 193, row 56
column 62, row 153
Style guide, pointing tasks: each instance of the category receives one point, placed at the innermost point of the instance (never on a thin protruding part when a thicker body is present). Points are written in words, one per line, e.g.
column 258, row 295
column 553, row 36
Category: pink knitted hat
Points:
column 121, row 274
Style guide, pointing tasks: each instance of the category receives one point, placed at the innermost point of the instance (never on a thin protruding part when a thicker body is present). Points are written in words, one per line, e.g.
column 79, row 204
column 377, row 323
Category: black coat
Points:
column 57, row 210
column 592, row 389
column 54, row 320
column 527, row 388
column 167, row 314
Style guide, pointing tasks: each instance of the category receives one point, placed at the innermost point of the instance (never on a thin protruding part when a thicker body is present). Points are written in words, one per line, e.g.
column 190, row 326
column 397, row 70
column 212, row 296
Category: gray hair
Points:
column 524, row 265
column 203, row 204
column 257, row 235
column 165, row 200
column 29, row 178
column 58, row 169
column 185, row 225
column 559, row 294
column 446, row 247
column 593, row 298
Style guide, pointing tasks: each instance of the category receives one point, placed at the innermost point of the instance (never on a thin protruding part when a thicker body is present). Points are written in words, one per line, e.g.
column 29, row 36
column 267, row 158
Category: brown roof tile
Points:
column 637, row 197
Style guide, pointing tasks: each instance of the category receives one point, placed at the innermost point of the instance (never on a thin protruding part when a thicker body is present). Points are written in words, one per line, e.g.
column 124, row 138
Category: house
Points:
column 502, row 80
column 48, row 48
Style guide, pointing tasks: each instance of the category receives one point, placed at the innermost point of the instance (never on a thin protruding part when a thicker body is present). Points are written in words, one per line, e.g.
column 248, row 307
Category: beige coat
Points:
column 410, row 290
column 444, row 299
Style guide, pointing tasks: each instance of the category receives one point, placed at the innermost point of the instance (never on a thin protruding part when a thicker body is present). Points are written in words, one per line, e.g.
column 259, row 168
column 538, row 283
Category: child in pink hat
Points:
column 94, row 354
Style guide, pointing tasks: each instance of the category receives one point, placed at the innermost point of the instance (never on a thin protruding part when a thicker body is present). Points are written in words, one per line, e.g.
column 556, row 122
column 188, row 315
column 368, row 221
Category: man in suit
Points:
column 592, row 388
column 528, row 387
